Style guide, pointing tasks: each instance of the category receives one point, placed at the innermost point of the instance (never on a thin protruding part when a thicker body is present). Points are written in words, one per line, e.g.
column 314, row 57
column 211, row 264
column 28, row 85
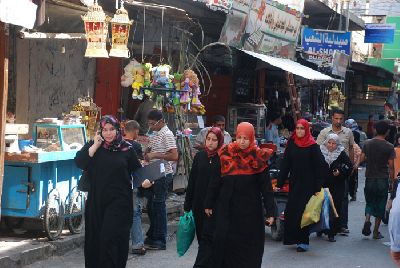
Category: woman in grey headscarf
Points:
column 340, row 167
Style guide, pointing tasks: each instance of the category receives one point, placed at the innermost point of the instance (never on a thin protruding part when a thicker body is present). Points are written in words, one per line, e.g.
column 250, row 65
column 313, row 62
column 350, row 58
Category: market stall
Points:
column 40, row 180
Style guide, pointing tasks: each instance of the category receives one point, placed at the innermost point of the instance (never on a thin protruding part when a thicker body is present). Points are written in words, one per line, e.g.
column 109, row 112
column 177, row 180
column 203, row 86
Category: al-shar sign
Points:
column 320, row 45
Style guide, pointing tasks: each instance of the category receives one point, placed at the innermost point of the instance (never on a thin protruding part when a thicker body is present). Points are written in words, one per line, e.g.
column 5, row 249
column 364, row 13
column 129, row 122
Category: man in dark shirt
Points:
column 131, row 133
column 379, row 156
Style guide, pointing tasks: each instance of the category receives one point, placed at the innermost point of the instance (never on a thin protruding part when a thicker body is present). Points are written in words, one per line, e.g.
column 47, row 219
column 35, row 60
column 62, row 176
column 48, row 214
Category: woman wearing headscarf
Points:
column 205, row 166
column 109, row 161
column 305, row 163
column 235, row 199
column 340, row 167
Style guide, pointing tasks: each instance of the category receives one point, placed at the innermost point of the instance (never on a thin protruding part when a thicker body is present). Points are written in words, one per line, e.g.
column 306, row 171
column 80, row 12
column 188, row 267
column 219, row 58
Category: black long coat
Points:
column 307, row 168
column 109, row 207
column 237, row 202
column 336, row 185
column 203, row 169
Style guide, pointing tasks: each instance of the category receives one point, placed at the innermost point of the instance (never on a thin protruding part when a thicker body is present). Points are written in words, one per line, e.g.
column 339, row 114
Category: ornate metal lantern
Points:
column 120, row 26
column 96, row 28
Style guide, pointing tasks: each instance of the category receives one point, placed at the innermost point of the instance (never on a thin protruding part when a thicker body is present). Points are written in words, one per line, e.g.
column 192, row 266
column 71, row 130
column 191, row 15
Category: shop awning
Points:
column 292, row 67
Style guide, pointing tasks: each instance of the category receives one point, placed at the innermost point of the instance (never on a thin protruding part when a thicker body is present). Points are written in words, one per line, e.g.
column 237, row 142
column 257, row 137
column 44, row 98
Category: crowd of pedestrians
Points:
column 229, row 191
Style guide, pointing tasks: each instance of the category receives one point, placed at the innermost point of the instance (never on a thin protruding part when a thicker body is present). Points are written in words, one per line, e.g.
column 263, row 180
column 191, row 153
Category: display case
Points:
column 54, row 137
column 247, row 112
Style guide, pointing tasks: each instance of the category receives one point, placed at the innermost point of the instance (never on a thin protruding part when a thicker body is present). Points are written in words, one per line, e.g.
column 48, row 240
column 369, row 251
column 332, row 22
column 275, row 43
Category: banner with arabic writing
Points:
column 264, row 26
column 320, row 45
column 224, row 5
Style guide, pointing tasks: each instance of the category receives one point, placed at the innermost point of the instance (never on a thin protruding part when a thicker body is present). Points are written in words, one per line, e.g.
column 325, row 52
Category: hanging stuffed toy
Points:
column 336, row 98
column 138, row 77
column 127, row 77
column 147, row 76
column 161, row 77
column 187, row 85
column 177, row 84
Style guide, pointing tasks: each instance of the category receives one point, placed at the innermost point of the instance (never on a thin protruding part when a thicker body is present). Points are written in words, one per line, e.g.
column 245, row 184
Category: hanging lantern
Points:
column 96, row 28
column 120, row 26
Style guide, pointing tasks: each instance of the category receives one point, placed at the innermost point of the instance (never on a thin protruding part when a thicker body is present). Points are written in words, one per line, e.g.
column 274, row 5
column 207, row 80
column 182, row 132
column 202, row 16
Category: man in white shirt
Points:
column 162, row 146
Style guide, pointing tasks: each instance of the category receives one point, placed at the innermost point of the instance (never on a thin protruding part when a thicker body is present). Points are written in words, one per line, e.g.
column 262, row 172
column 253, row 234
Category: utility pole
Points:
column 340, row 15
column 347, row 15
column 3, row 97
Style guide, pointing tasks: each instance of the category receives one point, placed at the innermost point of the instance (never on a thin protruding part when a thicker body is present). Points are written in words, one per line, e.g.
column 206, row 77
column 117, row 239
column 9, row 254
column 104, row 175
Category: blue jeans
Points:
column 157, row 210
column 136, row 230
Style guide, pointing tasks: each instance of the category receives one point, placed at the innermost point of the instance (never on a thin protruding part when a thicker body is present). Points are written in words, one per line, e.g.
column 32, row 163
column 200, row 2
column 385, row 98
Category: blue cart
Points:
column 43, row 185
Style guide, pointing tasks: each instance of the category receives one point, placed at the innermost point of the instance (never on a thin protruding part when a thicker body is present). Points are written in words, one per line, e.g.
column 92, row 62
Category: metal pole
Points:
column 340, row 15
column 347, row 15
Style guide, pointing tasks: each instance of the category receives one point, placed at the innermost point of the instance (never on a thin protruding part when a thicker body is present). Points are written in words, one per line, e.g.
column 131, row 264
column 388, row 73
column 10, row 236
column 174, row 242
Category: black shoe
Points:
column 344, row 230
column 155, row 245
column 139, row 251
column 331, row 239
column 366, row 230
column 353, row 199
column 300, row 249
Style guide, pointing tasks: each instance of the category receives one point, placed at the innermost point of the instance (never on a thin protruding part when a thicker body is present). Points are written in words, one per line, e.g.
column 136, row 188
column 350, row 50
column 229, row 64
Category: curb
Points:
column 45, row 250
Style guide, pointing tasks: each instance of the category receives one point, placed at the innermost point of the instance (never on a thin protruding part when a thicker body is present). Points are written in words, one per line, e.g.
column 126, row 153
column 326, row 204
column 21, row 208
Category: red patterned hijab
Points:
column 308, row 139
column 236, row 161
column 217, row 131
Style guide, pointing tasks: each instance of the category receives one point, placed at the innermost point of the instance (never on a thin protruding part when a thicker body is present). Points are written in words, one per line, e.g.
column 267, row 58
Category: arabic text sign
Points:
column 269, row 27
column 325, row 43
column 225, row 5
column 379, row 33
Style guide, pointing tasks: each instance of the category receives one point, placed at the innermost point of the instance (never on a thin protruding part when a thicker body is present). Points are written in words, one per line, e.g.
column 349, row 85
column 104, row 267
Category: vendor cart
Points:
column 43, row 184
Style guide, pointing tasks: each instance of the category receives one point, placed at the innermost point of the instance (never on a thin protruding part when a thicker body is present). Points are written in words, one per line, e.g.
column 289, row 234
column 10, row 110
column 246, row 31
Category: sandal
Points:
column 378, row 235
column 366, row 229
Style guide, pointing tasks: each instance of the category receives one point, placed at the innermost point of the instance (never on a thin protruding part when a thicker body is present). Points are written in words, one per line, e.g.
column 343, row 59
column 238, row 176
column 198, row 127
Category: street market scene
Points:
column 199, row 133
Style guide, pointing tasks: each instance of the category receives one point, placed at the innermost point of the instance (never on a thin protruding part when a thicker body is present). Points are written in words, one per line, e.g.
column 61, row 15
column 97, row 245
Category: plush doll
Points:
column 163, row 78
column 187, row 85
column 177, row 84
column 127, row 77
column 147, row 76
column 196, row 92
column 138, row 78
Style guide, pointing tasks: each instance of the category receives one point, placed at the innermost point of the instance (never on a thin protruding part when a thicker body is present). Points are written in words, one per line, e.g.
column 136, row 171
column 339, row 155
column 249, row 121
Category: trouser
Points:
column 344, row 218
column 136, row 230
column 157, row 209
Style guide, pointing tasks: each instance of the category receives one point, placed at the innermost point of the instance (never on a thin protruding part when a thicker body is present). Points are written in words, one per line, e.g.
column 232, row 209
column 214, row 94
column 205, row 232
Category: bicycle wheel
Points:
column 53, row 221
column 76, row 212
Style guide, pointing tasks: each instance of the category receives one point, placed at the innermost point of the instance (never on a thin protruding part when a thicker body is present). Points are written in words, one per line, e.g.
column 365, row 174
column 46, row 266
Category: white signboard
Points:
column 18, row 12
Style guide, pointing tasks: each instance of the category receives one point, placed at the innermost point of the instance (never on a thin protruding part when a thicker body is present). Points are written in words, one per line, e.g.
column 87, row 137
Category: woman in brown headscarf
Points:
column 235, row 199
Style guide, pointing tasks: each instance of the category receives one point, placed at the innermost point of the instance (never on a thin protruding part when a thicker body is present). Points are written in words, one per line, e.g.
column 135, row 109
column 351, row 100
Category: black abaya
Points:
column 336, row 185
column 307, row 168
column 203, row 169
column 109, row 206
column 240, row 227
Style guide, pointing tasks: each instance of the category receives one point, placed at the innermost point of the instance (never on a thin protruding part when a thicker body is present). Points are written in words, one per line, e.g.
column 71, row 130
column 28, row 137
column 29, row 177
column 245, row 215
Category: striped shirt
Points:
column 163, row 142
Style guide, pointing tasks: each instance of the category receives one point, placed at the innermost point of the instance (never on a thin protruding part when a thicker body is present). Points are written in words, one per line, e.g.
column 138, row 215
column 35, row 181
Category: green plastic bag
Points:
column 312, row 212
column 185, row 233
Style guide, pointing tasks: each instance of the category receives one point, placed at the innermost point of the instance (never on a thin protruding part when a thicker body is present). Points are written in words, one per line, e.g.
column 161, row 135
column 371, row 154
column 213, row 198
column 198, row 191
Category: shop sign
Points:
column 321, row 44
column 21, row 13
column 224, row 5
column 264, row 26
column 379, row 33
column 340, row 63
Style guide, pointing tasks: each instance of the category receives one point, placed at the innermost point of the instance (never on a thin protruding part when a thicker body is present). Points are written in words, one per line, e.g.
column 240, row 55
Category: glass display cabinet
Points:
column 247, row 112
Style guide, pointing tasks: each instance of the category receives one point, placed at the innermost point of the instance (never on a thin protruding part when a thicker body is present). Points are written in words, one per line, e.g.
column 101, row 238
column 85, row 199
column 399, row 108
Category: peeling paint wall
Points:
column 50, row 82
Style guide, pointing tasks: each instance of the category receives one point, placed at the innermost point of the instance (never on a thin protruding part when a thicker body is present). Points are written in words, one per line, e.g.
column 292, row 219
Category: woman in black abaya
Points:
column 236, row 196
column 305, row 163
column 109, row 161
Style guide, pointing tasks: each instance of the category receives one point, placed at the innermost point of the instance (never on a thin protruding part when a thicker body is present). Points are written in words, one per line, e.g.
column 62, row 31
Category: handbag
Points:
column 84, row 182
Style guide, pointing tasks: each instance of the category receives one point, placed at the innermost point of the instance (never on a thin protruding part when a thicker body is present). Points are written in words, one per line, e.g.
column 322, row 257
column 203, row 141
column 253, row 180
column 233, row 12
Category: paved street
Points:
column 352, row 251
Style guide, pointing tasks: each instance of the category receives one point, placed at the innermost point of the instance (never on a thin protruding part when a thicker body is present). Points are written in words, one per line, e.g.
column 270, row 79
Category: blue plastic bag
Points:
column 185, row 233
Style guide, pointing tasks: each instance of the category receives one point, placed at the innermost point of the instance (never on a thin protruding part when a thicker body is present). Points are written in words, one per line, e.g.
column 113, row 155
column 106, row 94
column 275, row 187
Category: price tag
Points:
column 162, row 168
column 200, row 121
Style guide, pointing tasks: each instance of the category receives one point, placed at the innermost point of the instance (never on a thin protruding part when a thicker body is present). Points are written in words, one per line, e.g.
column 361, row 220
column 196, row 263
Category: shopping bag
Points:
column 323, row 223
column 312, row 212
column 185, row 233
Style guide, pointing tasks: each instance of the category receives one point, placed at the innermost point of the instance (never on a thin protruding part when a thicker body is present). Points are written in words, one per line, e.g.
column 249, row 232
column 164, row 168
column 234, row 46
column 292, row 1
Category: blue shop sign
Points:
column 325, row 42
column 379, row 33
